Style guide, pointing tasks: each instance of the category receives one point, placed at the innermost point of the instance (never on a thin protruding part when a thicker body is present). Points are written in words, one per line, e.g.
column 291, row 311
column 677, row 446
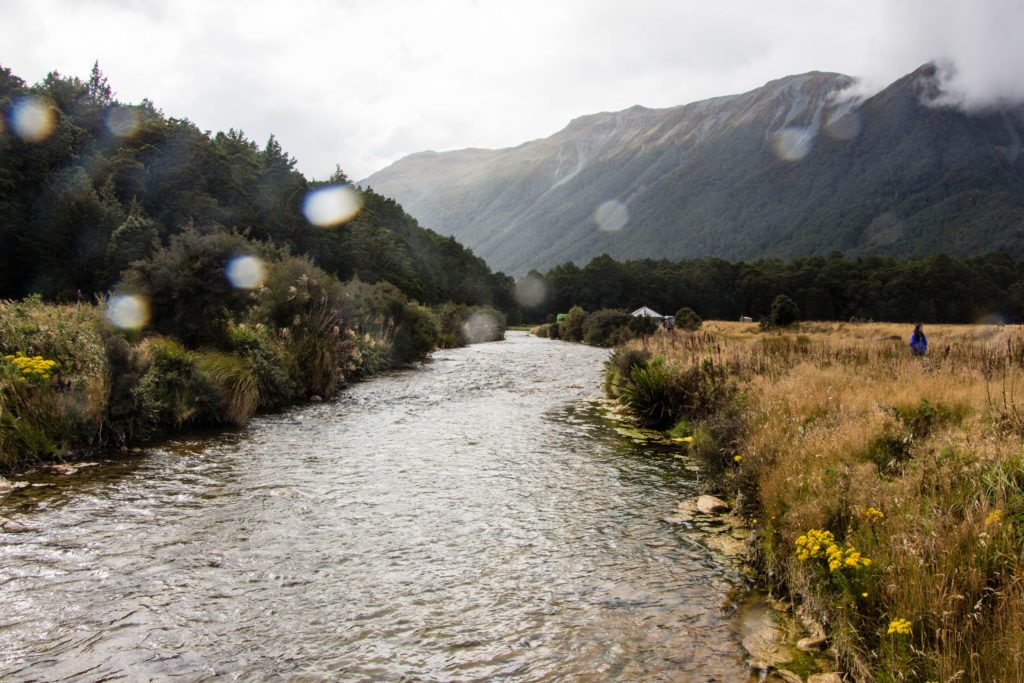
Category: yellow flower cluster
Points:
column 994, row 517
column 873, row 513
column 814, row 544
column 32, row 366
column 818, row 543
column 848, row 558
column 738, row 458
column 900, row 627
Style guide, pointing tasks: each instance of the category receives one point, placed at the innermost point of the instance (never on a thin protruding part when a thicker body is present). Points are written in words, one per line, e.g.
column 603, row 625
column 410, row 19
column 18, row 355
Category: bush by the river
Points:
column 604, row 327
column 212, row 353
column 884, row 491
column 460, row 325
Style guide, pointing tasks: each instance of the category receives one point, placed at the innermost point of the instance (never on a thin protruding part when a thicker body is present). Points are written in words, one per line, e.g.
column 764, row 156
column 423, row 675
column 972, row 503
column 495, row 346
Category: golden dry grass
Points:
column 841, row 417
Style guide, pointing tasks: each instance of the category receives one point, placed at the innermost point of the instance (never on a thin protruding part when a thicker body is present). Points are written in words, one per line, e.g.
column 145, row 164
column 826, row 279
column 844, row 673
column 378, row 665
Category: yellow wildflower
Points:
column 738, row 458
column 31, row 366
column 864, row 594
column 873, row 513
column 900, row 627
column 810, row 544
column 817, row 543
column 994, row 517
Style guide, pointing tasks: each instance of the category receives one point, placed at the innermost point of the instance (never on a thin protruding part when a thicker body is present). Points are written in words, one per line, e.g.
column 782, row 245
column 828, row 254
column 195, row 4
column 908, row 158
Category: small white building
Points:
column 644, row 312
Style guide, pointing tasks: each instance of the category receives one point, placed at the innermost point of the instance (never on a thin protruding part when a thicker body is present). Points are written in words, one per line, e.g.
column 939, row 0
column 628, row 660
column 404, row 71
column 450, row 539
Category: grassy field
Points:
column 887, row 490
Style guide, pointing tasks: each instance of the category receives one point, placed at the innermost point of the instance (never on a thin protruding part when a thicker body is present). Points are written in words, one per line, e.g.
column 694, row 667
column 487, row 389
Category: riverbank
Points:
column 885, row 492
column 73, row 382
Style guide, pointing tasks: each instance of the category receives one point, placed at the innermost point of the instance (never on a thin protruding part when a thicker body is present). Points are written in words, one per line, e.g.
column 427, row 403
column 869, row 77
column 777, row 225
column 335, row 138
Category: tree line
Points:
column 90, row 185
column 934, row 289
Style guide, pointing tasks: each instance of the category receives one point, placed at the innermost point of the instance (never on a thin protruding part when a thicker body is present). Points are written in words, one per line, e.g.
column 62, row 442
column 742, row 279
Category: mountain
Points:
column 792, row 168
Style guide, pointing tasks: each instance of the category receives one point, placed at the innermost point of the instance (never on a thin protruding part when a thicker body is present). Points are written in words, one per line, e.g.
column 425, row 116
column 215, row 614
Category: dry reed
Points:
column 915, row 462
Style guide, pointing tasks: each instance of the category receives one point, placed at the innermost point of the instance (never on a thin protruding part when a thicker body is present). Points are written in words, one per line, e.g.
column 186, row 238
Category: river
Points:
column 474, row 519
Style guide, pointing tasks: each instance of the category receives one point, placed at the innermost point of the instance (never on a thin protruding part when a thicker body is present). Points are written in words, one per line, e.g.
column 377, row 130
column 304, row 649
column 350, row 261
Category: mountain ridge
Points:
column 792, row 168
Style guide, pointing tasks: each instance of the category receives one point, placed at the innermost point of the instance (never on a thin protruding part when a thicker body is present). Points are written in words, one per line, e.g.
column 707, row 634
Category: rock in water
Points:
column 710, row 505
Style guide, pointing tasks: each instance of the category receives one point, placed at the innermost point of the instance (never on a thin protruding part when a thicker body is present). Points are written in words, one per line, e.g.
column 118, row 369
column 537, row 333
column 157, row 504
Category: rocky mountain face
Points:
column 792, row 168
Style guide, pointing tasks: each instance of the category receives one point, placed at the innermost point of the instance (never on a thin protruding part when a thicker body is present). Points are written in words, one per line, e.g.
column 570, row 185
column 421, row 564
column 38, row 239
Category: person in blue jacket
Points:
column 918, row 342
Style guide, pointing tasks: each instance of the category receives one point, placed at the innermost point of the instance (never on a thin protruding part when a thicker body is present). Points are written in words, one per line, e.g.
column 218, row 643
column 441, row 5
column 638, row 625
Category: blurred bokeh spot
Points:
column 331, row 205
column 792, row 144
column 122, row 121
column 32, row 119
column 128, row 311
column 530, row 292
column 611, row 216
column 246, row 272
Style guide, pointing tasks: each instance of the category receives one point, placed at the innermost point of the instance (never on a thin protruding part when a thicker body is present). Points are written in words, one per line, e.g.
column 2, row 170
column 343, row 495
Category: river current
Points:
column 474, row 519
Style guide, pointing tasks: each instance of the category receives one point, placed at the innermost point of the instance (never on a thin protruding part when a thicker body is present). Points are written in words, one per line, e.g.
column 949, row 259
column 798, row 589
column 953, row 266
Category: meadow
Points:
column 885, row 490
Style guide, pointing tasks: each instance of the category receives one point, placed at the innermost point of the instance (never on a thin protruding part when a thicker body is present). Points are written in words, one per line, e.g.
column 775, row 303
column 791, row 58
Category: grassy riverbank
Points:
column 886, row 491
column 72, row 380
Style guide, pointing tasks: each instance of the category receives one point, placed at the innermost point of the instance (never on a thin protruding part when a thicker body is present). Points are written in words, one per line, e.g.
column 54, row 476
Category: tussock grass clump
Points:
column 235, row 383
column 913, row 464
column 42, row 413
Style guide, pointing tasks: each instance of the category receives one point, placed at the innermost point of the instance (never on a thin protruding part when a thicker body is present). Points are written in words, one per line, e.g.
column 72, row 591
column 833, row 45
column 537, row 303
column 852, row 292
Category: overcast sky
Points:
column 361, row 83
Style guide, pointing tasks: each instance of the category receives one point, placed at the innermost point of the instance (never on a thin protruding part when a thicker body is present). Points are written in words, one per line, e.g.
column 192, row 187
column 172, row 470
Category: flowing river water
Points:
column 474, row 519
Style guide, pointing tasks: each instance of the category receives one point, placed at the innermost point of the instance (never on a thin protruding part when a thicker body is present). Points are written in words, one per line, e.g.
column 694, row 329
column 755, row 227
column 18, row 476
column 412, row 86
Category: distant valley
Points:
column 793, row 168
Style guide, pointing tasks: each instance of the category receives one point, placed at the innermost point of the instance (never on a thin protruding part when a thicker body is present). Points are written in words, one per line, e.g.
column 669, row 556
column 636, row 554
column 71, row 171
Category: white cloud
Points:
column 361, row 83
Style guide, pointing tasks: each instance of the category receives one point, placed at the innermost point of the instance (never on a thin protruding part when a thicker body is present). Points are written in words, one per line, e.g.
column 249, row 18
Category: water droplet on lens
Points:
column 331, row 205
column 128, row 311
column 611, row 216
column 480, row 328
column 530, row 291
column 844, row 124
column 246, row 272
column 122, row 121
column 792, row 144
column 32, row 119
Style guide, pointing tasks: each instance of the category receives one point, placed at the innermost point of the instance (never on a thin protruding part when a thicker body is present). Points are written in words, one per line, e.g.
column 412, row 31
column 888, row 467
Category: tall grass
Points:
column 39, row 417
column 107, row 387
column 917, row 463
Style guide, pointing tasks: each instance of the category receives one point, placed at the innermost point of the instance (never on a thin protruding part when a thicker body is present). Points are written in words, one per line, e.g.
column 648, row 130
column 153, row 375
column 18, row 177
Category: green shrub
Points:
column 571, row 327
column 125, row 412
column 687, row 319
column 784, row 313
column 268, row 357
column 607, row 327
column 294, row 284
column 190, row 296
column 642, row 326
column 415, row 334
column 172, row 393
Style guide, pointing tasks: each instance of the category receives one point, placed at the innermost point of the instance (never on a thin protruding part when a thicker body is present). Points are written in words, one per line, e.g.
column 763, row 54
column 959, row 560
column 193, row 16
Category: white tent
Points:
column 644, row 312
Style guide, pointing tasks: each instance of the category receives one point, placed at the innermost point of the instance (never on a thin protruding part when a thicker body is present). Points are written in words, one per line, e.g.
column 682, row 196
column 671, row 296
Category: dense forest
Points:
column 933, row 289
column 89, row 185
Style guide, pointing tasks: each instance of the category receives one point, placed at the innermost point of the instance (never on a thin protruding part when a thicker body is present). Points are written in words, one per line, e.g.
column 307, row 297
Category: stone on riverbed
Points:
column 6, row 485
column 11, row 526
column 709, row 505
column 814, row 642
column 71, row 468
